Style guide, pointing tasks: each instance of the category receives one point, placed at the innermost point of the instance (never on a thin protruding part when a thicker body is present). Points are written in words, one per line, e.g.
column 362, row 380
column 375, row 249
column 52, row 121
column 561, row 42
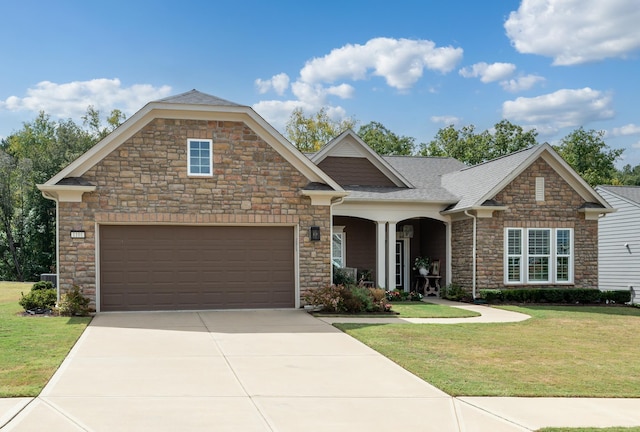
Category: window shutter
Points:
column 539, row 188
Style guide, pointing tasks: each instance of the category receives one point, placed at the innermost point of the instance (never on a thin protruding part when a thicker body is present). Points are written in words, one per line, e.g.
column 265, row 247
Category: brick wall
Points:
column 558, row 210
column 145, row 181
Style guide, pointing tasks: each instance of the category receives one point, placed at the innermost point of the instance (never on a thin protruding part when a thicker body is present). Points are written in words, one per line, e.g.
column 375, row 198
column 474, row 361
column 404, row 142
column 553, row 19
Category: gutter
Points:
column 466, row 212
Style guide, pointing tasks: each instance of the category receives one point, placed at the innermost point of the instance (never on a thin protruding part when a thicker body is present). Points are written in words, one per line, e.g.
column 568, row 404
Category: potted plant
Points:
column 422, row 265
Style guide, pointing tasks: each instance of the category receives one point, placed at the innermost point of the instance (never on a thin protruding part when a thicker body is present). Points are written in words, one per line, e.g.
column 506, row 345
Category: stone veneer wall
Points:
column 145, row 181
column 558, row 210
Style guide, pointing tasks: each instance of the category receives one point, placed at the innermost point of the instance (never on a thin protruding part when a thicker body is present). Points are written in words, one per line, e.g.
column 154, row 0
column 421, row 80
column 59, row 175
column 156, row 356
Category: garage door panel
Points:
column 186, row 267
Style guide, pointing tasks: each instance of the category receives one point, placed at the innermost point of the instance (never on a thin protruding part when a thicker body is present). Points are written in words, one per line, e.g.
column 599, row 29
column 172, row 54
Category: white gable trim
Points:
column 155, row 110
column 546, row 152
column 349, row 144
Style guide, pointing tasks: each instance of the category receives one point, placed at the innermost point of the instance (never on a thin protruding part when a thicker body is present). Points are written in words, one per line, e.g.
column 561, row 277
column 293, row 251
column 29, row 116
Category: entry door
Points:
column 401, row 264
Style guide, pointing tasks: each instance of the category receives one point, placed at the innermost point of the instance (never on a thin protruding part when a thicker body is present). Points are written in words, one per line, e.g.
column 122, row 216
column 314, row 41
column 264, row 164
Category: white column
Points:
column 381, row 255
column 447, row 279
column 391, row 255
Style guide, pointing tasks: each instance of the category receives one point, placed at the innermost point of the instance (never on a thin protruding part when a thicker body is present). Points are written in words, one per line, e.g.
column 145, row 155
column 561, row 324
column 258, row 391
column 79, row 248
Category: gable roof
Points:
column 349, row 144
column 193, row 105
column 478, row 184
column 630, row 193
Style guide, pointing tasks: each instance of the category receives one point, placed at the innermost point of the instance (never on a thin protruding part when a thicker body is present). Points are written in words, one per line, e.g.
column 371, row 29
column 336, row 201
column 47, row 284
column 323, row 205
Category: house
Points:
column 619, row 240
column 196, row 202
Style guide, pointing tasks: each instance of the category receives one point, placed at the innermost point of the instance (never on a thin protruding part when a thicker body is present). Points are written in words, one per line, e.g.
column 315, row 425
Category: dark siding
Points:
column 354, row 172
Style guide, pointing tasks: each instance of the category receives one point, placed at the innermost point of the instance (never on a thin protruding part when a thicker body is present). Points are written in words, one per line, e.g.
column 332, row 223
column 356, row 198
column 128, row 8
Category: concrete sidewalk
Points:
column 264, row 371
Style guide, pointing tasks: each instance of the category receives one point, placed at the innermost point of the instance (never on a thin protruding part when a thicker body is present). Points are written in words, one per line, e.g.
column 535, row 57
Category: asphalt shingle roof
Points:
column 631, row 193
column 472, row 184
column 194, row 97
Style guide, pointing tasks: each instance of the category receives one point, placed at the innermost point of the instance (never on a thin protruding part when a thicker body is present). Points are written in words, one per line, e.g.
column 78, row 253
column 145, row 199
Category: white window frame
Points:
column 553, row 256
column 339, row 231
column 189, row 167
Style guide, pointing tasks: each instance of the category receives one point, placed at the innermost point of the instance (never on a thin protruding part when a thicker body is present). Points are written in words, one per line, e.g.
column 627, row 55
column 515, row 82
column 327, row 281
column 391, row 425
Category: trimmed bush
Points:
column 39, row 299
column 455, row 292
column 554, row 295
column 42, row 285
column 73, row 303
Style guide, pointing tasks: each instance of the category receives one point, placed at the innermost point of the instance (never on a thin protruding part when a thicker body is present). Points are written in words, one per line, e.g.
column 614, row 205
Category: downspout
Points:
column 473, row 279
column 51, row 197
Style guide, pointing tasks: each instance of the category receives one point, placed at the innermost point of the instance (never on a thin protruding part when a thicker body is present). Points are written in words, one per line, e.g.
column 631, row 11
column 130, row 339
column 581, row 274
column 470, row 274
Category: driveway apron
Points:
column 237, row 371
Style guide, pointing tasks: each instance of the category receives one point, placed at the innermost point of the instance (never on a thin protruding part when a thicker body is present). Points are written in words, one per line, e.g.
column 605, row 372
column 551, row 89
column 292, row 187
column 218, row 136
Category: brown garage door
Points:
column 187, row 267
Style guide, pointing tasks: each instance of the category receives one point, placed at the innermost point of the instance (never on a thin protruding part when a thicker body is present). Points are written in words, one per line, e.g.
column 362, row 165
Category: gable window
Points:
column 538, row 255
column 200, row 160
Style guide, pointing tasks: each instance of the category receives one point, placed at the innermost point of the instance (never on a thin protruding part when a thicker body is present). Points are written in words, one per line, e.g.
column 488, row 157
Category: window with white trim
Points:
column 337, row 247
column 538, row 255
column 200, row 157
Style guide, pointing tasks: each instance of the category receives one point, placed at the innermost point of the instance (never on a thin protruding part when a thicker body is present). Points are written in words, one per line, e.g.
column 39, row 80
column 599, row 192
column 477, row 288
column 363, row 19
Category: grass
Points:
column 429, row 310
column 31, row 348
column 572, row 351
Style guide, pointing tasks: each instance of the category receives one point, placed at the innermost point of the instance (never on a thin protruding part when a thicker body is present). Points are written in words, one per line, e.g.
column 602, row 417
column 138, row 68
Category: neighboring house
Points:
column 196, row 202
column 619, row 240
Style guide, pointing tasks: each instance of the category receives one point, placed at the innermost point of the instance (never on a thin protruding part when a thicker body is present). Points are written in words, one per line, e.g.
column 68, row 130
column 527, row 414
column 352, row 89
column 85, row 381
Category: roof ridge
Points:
column 501, row 157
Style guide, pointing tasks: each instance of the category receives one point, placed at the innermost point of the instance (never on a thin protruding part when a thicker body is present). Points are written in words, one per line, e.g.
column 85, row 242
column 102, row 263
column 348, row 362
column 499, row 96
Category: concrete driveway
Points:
column 237, row 371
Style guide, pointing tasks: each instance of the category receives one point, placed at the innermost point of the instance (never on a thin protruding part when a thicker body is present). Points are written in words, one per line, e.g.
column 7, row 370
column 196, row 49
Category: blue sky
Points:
column 414, row 66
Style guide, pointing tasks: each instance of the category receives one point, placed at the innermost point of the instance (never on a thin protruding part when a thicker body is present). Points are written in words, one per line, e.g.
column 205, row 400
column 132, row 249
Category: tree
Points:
column 29, row 157
column 590, row 156
column 385, row 142
column 473, row 148
column 310, row 133
column 629, row 175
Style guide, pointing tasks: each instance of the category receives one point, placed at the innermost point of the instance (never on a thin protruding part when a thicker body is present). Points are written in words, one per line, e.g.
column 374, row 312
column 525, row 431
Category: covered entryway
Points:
column 166, row 267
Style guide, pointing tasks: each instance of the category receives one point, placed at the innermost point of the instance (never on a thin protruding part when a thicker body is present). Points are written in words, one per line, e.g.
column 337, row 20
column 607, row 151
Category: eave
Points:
column 64, row 193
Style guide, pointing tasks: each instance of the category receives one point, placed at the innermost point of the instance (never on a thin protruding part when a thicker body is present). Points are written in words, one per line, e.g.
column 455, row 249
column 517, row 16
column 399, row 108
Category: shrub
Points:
column 42, row 285
column 39, row 299
column 328, row 297
column 341, row 277
column 455, row 292
column 352, row 299
column 554, row 295
column 73, row 303
column 415, row 296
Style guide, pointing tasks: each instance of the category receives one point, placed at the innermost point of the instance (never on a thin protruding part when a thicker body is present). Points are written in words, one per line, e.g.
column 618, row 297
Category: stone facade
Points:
column 558, row 210
column 145, row 181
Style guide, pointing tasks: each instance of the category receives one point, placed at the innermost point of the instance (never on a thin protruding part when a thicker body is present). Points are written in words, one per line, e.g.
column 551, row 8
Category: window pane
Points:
column 336, row 250
column 563, row 242
column 514, row 269
column 539, row 242
column 562, row 269
column 539, row 269
column 514, row 241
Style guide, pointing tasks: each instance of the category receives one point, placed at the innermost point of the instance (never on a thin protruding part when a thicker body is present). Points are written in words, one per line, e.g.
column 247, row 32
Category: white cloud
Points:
column 401, row 62
column 521, row 83
column 575, row 31
column 630, row 129
column 563, row 108
column 277, row 113
column 445, row 120
column 488, row 72
column 70, row 100
column 279, row 83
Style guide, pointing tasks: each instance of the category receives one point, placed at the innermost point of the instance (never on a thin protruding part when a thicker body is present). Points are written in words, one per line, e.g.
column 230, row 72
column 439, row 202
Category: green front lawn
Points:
column 429, row 310
column 31, row 348
column 567, row 351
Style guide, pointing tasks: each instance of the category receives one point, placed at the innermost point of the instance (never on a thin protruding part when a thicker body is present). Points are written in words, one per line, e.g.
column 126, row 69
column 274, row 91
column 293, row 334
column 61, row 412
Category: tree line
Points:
column 29, row 157
column 42, row 147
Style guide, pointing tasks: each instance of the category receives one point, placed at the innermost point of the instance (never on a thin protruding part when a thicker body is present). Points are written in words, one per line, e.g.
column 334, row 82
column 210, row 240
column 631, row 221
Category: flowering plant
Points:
column 421, row 262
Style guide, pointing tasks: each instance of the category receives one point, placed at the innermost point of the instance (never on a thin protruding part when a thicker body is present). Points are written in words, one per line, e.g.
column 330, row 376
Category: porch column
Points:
column 391, row 256
column 381, row 254
column 447, row 279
